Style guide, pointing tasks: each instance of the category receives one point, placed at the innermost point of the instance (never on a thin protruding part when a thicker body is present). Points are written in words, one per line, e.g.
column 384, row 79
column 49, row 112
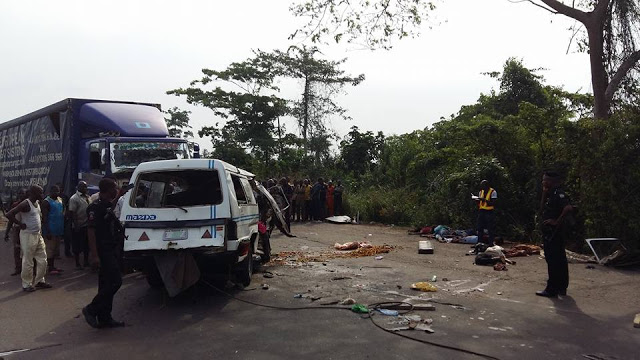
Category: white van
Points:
column 203, row 207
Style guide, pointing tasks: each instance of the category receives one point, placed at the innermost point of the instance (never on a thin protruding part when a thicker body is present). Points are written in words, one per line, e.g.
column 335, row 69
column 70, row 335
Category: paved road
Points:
column 498, row 314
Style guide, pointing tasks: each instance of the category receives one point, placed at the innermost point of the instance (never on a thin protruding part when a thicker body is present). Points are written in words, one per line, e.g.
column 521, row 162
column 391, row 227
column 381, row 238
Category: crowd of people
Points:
column 38, row 225
column 307, row 201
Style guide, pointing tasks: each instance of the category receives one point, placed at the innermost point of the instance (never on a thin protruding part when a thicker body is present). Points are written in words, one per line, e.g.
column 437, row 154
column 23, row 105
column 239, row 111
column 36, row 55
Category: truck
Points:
column 83, row 139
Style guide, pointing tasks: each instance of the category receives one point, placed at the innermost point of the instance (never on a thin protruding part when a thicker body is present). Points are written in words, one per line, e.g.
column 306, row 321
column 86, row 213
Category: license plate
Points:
column 175, row 234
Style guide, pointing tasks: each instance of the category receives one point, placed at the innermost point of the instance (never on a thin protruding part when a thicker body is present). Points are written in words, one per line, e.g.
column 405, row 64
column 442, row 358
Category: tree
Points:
column 322, row 80
column 611, row 41
column 610, row 27
column 250, row 112
column 360, row 150
column 177, row 121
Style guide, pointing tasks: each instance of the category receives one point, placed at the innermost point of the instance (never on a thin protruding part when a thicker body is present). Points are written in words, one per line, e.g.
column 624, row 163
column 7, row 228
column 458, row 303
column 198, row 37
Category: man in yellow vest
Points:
column 486, row 219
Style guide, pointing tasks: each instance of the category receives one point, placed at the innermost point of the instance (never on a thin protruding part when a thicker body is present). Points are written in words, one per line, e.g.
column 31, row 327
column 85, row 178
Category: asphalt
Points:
column 477, row 309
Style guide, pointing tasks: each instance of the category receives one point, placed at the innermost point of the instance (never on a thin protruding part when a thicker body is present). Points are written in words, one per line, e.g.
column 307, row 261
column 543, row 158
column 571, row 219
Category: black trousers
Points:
column 486, row 220
column 556, row 258
column 337, row 205
column 109, row 281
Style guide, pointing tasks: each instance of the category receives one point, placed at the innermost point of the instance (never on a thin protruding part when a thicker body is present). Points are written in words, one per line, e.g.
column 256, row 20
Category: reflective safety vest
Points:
column 482, row 205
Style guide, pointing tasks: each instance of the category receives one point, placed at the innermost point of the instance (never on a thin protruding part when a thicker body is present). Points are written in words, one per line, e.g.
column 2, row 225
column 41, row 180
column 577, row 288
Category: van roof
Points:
column 192, row 164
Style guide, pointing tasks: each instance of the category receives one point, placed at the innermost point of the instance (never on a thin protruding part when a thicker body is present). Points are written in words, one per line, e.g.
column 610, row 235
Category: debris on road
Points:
column 424, row 286
column 360, row 309
column 297, row 296
column 425, row 247
column 591, row 267
column 379, row 257
column 347, row 301
column 388, row 312
column 352, row 245
column 341, row 278
column 523, row 250
column 294, row 257
column 636, row 321
column 267, row 275
column 265, row 286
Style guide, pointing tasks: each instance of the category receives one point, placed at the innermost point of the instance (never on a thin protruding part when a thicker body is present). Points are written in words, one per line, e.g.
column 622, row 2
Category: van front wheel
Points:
column 245, row 268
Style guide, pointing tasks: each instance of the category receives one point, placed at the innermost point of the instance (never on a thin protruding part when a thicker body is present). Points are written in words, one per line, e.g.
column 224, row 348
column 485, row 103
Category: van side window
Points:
column 240, row 195
column 249, row 192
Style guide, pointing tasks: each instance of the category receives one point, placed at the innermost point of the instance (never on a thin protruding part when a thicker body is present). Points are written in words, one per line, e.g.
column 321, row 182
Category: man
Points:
column 68, row 227
column 102, row 230
column 78, row 214
column 318, row 196
column 556, row 208
column 287, row 189
column 486, row 219
column 13, row 233
column 53, row 226
column 31, row 241
column 307, row 199
column 337, row 198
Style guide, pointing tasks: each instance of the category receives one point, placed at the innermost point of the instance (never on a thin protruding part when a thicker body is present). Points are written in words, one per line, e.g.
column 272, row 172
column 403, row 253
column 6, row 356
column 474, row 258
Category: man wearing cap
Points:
column 556, row 206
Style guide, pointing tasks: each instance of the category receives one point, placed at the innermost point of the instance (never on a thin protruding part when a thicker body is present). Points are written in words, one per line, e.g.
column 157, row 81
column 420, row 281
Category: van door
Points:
column 247, row 214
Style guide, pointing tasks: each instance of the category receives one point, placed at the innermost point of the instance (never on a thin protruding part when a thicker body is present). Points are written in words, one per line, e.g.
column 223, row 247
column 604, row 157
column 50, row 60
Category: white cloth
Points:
column 33, row 247
column 33, row 218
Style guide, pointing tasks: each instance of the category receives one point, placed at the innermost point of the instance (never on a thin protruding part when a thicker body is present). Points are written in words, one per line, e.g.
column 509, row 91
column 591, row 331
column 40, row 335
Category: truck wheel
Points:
column 245, row 269
column 153, row 276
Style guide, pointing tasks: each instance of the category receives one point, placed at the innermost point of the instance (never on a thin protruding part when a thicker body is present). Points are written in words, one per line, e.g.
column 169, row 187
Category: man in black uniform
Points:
column 103, row 227
column 555, row 208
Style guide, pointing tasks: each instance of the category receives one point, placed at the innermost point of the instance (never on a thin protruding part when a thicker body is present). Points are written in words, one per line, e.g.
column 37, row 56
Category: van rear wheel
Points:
column 245, row 269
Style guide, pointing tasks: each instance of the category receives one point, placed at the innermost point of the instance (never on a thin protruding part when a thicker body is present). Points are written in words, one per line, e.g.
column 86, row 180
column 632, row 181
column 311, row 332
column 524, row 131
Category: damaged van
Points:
column 183, row 218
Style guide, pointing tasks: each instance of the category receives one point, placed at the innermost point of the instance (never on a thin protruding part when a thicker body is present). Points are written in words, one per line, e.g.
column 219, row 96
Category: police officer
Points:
column 103, row 227
column 556, row 207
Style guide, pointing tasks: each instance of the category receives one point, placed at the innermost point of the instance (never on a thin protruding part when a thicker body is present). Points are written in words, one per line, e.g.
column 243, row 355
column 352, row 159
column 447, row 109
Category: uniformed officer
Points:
column 556, row 207
column 102, row 230
column 486, row 200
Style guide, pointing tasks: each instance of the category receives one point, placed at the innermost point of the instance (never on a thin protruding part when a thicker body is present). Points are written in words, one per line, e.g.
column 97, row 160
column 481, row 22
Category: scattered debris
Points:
column 415, row 307
column 500, row 267
column 265, row 286
column 341, row 278
column 590, row 267
column 573, row 257
column 434, row 278
column 499, row 292
column 267, row 275
column 599, row 357
column 523, row 250
column 347, row 301
column 445, row 279
column 425, row 247
column 297, row 296
column 360, row 309
column 294, row 257
column 496, row 328
column 352, row 245
column 388, row 312
column 424, row 286
column 636, row 321
column 380, row 257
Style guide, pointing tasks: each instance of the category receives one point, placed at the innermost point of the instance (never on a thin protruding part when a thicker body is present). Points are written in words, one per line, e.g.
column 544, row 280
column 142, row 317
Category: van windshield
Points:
column 128, row 155
column 177, row 189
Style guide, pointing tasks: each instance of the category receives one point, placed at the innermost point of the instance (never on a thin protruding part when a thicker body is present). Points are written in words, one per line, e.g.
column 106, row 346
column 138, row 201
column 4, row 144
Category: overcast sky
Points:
column 137, row 50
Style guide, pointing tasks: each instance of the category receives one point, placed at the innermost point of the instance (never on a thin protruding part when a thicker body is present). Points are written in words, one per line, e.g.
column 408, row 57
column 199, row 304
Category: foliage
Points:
column 177, row 122
column 373, row 23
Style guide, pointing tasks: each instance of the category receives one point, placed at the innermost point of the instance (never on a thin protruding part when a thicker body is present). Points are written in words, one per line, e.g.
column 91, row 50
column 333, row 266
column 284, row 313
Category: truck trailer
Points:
column 82, row 139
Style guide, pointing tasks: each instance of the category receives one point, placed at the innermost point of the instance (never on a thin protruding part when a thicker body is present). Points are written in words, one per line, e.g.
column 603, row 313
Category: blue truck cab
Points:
column 83, row 139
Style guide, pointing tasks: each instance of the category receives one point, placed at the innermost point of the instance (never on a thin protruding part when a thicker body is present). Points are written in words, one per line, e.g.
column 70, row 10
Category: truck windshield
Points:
column 128, row 155
column 177, row 189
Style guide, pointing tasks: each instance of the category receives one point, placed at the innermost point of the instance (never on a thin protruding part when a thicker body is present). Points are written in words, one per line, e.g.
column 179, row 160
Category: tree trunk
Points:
column 599, row 77
column 305, row 105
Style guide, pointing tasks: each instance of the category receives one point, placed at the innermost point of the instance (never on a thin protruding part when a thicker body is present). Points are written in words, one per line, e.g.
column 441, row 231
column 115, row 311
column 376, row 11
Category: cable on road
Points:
column 371, row 308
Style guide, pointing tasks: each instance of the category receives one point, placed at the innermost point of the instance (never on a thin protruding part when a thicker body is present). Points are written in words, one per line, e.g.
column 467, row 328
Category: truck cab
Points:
column 116, row 137
column 204, row 207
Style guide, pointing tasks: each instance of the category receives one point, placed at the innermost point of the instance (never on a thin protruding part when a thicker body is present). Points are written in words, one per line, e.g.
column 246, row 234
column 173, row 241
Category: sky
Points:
column 136, row 50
